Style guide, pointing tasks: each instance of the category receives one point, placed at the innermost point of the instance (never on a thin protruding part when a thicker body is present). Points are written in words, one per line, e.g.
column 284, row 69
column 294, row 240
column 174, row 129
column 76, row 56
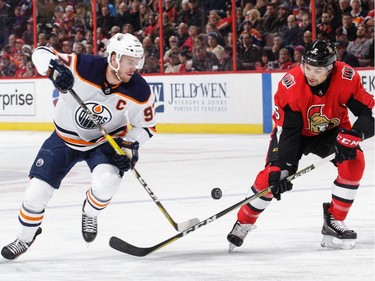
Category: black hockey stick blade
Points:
column 123, row 246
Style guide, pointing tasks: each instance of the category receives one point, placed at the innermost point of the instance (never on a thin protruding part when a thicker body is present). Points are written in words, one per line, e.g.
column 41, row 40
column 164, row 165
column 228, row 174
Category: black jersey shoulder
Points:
column 137, row 89
column 91, row 68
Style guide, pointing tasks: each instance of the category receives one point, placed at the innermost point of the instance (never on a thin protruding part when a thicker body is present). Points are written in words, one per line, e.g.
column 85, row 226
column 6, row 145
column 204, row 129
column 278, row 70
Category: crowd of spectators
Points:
column 196, row 35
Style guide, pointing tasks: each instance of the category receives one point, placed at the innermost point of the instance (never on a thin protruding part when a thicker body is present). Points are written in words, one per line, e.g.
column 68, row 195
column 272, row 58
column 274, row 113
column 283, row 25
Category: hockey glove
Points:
column 60, row 75
column 278, row 182
column 347, row 142
column 122, row 162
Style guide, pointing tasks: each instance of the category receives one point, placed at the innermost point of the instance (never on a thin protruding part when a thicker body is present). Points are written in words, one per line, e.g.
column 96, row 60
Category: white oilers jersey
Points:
column 114, row 106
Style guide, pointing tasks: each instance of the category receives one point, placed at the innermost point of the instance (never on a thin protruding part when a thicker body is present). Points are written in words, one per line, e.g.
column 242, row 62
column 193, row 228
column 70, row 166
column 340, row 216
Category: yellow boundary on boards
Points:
column 162, row 128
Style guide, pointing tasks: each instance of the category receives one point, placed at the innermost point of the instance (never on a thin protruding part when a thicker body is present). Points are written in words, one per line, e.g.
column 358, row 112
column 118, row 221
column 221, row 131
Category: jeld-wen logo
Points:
column 158, row 91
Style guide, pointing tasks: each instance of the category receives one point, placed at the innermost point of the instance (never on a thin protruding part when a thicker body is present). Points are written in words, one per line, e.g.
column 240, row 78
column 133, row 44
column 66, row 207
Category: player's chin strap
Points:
column 178, row 226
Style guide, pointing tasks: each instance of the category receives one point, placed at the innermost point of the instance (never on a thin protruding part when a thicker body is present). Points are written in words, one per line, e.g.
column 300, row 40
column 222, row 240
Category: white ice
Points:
column 181, row 170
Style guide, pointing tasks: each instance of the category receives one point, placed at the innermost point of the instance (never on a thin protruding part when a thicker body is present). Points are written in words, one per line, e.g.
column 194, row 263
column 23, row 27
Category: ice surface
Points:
column 182, row 170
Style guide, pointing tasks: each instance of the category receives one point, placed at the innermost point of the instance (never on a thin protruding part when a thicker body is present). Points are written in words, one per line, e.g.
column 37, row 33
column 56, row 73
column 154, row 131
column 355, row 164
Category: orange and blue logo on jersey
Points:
column 101, row 112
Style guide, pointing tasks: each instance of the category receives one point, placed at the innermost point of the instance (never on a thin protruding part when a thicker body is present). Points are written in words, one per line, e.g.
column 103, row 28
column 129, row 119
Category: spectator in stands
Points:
column 151, row 65
column 267, row 57
column 144, row 14
column 89, row 48
column 170, row 10
column 82, row 15
column 6, row 22
column 225, row 24
column 69, row 13
column 277, row 45
column 168, row 28
column 298, row 53
column 210, row 27
column 193, row 32
column 7, row 68
column 28, row 34
column 213, row 45
column 226, row 62
column 283, row 11
column 196, row 14
column 203, row 60
column 357, row 12
column 58, row 16
column 325, row 26
column 114, row 30
column 261, row 6
column 343, row 55
column 149, row 47
column 173, row 65
column 135, row 15
column 285, row 59
column 360, row 47
column 349, row 26
column 248, row 53
column 42, row 39
column 127, row 28
column 344, row 6
column 66, row 47
column 53, row 41
column 334, row 15
column 105, row 20
column 123, row 15
column 305, row 23
column 270, row 18
column 184, row 12
column 307, row 38
column 172, row 46
column 26, row 69
column 79, row 48
column 200, row 41
column 341, row 34
column 182, row 33
column 255, row 19
column 292, row 34
column 184, row 57
column 151, row 26
column 19, row 22
column 111, row 8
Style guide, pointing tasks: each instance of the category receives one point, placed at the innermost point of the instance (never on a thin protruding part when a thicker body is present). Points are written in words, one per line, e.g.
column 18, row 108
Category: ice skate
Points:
column 17, row 247
column 238, row 234
column 336, row 234
column 89, row 226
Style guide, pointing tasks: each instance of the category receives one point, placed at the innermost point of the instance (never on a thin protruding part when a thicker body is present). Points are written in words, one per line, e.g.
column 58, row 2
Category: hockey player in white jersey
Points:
column 117, row 95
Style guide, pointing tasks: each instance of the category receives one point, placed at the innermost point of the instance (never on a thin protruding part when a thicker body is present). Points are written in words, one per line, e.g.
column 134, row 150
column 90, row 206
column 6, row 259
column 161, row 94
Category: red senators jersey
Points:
column 323, row 112
column 300, row 112
column 114, row 107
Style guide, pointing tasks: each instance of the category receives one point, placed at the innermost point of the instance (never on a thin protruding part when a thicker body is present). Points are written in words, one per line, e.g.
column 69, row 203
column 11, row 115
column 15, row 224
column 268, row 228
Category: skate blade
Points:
column 335, row 243
column 231, row 247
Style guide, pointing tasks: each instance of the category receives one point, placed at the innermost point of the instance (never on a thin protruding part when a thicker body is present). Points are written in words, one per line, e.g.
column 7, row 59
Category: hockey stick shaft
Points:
column 122, row 246
column 178, row 226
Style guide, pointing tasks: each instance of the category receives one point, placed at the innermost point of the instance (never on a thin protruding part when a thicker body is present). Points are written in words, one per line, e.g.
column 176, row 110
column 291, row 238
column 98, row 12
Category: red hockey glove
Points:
column 278, row 182
column 346, row 145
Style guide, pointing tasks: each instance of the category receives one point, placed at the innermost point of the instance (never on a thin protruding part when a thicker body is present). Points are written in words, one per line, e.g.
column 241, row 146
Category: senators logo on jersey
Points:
column 318, row 122
column 102, row 114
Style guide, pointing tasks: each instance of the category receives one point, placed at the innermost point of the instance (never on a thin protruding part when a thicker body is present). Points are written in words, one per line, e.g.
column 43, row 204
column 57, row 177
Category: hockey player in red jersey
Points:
column 311, row 116
column 117, row 95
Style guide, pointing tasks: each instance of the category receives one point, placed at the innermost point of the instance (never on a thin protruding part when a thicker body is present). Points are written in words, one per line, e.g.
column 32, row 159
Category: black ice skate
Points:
column 238, row 234
column 89, row 226
column 336, row 234
column 18, row 247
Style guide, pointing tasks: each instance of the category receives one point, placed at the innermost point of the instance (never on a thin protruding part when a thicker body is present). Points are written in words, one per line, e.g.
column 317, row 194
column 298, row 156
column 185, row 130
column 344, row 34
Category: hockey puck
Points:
column 216, row 193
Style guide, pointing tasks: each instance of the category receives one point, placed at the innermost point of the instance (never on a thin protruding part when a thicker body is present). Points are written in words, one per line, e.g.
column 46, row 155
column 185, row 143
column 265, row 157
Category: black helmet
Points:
column 320, row 53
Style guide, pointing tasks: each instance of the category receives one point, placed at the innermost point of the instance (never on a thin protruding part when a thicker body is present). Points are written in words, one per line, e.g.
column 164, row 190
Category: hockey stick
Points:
column 122, row 246
column 178, row 226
